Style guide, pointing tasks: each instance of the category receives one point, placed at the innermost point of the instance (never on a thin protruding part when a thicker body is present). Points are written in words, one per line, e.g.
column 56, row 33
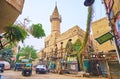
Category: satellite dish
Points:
column 88, row 2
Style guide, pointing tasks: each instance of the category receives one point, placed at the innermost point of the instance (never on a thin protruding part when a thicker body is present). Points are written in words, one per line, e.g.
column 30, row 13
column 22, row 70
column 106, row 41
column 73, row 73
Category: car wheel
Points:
column 36, row 72
column 2, row 71
column 23, row 74
column 15, row 69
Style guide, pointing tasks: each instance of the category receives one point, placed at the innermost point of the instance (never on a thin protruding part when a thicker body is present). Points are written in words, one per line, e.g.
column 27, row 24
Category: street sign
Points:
column 107, row 36
column 25, row 60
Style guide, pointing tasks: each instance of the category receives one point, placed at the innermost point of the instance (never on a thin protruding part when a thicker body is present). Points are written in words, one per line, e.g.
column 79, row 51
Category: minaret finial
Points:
column 55, row 3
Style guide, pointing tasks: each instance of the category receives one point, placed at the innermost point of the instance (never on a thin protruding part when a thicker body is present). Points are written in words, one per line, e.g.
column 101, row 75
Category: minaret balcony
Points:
column 55, row 18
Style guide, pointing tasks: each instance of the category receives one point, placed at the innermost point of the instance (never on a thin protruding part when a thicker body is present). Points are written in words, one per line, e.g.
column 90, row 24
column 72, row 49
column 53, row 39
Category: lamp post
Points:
column 61, row 60
column 56, row 51
column 61, row 49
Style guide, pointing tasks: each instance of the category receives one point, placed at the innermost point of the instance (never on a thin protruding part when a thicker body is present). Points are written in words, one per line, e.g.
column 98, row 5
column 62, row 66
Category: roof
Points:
column 55, row 12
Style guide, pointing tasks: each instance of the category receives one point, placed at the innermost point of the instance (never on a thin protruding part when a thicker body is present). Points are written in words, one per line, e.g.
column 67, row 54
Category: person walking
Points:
column 98, row 70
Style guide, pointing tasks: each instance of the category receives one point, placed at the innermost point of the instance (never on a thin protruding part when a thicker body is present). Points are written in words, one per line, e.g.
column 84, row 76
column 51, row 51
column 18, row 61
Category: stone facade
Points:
column 9, row 11
column 56, row 37
column 113, row 64
column 18, row 4
column 73, row 33
column 100, row 27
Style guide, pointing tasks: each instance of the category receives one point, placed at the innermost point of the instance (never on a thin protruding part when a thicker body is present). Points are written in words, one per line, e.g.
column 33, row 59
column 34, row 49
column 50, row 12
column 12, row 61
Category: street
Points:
column 10, row 74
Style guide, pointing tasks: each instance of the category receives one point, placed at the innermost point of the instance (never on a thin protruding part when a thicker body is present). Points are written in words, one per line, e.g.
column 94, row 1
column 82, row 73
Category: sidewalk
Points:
column 91, row 77
column 5, row 77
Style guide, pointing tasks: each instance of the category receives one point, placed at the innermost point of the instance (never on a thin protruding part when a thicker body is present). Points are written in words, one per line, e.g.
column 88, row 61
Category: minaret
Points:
column 55, row 20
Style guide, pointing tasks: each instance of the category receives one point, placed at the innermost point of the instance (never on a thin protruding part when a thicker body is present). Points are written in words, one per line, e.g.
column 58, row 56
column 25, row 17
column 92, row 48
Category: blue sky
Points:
column 73, row 12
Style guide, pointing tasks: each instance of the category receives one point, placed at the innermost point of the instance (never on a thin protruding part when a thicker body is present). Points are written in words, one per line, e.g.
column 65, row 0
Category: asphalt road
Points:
column 10, row 74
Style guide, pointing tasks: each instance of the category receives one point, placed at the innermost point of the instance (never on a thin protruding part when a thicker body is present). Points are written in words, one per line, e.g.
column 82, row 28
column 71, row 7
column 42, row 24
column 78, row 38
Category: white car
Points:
column 41, row 69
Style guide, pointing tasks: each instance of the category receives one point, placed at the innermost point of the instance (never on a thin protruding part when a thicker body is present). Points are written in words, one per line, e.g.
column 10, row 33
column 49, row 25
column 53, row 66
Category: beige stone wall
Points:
column 55, row 38
column 39, row 55
column 99, row 28
column 55, row 26
column 74, row 33
column 116, row 6
column 18, row 4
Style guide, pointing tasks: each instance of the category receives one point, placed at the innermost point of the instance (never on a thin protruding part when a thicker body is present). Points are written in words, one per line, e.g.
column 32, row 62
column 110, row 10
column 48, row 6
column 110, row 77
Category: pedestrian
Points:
column 99, row 69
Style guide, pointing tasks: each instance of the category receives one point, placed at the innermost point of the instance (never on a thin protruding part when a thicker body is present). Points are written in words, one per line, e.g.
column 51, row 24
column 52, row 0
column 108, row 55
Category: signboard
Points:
column 25, row 60
column 107, row 36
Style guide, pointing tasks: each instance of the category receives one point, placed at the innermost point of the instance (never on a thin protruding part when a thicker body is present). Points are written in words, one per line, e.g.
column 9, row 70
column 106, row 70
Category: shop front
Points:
column 114, row 65
column 95, row 64
column 72, row 64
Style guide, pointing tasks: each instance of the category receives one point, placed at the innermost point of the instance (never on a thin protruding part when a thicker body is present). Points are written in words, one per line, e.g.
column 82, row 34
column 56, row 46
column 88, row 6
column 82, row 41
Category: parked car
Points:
column 18, row 66
column 41, row 69
column 2, row 65
column 6, row 65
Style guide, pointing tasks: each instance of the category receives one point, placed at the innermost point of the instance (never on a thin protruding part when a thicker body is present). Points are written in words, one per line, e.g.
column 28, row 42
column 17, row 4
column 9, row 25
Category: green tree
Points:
column 27, row 52
column 76, row 47
column 37, row 31
column 16, row 33
column 69, row 47
column 68, row 50
column 6, row 54
column 13, row 34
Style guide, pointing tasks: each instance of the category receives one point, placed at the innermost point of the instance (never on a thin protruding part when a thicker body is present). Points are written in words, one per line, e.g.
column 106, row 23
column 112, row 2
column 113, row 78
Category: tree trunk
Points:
column 78, row 63
column 89, row 20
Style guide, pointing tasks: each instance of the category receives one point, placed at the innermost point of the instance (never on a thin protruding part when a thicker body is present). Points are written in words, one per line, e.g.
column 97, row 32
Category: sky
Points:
column 73, row 12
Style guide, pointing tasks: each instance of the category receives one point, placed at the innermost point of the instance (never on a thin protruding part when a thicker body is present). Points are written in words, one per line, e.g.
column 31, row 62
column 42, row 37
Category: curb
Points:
column 85, row 77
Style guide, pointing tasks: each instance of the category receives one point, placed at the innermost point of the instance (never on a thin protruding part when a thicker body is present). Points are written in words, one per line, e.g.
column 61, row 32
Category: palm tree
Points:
column 69, row 47
column 68, row 50
column 76, row 47
column 13, row 34
column 84, row 42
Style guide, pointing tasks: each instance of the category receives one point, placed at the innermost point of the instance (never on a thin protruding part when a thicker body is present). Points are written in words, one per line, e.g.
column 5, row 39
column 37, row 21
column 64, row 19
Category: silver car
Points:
column 41, row 69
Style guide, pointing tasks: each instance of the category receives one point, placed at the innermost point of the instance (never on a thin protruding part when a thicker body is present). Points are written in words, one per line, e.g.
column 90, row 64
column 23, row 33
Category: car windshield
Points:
column 18, row 64
column 41, row 66
column 1, row 65
column 28, row 65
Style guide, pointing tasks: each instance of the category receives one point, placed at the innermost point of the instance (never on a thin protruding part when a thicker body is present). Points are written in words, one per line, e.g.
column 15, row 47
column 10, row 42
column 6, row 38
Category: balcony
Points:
column 9, row 11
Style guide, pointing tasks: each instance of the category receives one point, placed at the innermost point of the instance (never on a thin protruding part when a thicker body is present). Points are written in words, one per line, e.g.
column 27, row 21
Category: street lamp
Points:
column 55, row 54
column 61, row 49
column 93, row 55
column 101, row 55
column 88, row 2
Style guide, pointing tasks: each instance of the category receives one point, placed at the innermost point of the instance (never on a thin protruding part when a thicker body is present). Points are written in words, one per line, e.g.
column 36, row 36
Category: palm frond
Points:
column 15, row 33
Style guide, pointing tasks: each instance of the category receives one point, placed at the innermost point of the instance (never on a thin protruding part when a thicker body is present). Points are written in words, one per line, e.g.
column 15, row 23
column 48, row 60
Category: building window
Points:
column 46, row 43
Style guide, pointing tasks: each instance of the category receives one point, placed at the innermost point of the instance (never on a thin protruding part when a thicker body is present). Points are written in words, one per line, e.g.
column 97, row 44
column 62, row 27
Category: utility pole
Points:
column 30, row 54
